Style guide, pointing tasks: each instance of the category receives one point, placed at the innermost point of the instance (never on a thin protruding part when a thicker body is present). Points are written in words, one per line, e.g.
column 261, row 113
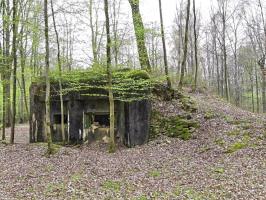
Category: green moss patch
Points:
column 176, row 127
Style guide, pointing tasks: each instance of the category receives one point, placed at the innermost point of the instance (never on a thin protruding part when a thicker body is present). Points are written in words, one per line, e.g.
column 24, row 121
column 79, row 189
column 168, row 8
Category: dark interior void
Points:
column 57, row 119
column 102, row 119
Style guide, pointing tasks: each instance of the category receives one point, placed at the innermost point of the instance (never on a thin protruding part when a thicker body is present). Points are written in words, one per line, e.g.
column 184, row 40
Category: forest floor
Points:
column 225, row 159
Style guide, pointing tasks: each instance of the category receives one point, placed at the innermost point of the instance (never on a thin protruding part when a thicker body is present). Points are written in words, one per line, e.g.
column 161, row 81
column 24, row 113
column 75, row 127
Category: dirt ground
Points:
column 226, row 159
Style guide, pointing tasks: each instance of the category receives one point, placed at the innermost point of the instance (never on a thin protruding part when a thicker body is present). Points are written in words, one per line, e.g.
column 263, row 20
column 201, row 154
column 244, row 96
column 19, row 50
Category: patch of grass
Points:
column 143, row 197
column 209, row 115
column 76, row 177
column 53, row 189
column 245, row 126
column 228, row 119
column 55, row 148
column 111, row 185
column 177, row 191
column 193, row 194
column 48, row 168
column 234, row 132
column 220, row 142
column 154, row 173
column 237, row 146
column 219, row 170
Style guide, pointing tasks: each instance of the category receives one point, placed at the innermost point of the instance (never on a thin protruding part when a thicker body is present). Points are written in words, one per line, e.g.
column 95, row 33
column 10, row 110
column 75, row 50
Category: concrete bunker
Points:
column 86, row 111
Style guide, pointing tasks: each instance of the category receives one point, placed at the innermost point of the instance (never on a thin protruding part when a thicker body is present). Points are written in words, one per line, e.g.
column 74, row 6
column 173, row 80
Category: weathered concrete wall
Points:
column 137, row 122
column 75, row 121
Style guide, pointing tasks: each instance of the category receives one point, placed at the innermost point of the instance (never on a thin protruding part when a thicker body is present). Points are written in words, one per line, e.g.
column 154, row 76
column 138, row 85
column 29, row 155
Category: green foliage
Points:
column 127, row 84
column 187, row 103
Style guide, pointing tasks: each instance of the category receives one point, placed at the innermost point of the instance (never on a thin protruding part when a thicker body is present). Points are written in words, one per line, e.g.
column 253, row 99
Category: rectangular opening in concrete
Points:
column 102, row 119
column 57, row 119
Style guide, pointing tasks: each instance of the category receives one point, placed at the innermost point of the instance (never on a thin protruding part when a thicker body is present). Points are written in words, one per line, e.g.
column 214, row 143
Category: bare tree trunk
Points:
column 93, row 41
column 262, row 62
column 14, row 54
column 8, row 63
column 257, row 90
column 195, row 45
column 47, row 81
column 109, row 72
column 140, row 35
column 23, row 64
column 60, row 77
column 185, row 48
column 164, row 48
column 223, row 7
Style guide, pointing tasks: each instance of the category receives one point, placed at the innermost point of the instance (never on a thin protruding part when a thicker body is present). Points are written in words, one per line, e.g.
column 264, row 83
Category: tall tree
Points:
column 59, row 63
column 183, row 65
column 164, row 47
column 6, row 74
column 223, row 5
column 140, row 35
column 109, row 73
column 262, row 61
column 195, row 45
column 15, row 63
column 47, row 80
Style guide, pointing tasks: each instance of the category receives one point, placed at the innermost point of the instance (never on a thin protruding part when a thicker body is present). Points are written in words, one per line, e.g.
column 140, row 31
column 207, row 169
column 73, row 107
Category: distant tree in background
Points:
column 184, row 60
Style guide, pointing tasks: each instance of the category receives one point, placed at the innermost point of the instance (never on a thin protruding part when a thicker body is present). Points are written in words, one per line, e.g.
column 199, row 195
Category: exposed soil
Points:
column 226, row 159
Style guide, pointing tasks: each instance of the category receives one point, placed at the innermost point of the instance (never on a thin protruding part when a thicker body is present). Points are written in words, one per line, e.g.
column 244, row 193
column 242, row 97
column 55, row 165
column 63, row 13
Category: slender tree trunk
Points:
column 264, row 93
column 60, row 77
column 217, row 67
column 47, row 80
column 225, row 52
column 140, row 35
column 3, row 76
column 195, row 45
column 185, row 48
column 93, row 40
column 8, row 63
column 257, row 90
column 109, row 73
column 23, row 64
column 164, row 48
column 14, row 54
column 253, row 102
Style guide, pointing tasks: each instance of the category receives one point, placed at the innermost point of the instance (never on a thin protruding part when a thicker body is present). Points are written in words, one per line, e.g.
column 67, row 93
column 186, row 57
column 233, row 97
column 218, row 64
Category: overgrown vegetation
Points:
column 177, row 126
column 127, row 84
